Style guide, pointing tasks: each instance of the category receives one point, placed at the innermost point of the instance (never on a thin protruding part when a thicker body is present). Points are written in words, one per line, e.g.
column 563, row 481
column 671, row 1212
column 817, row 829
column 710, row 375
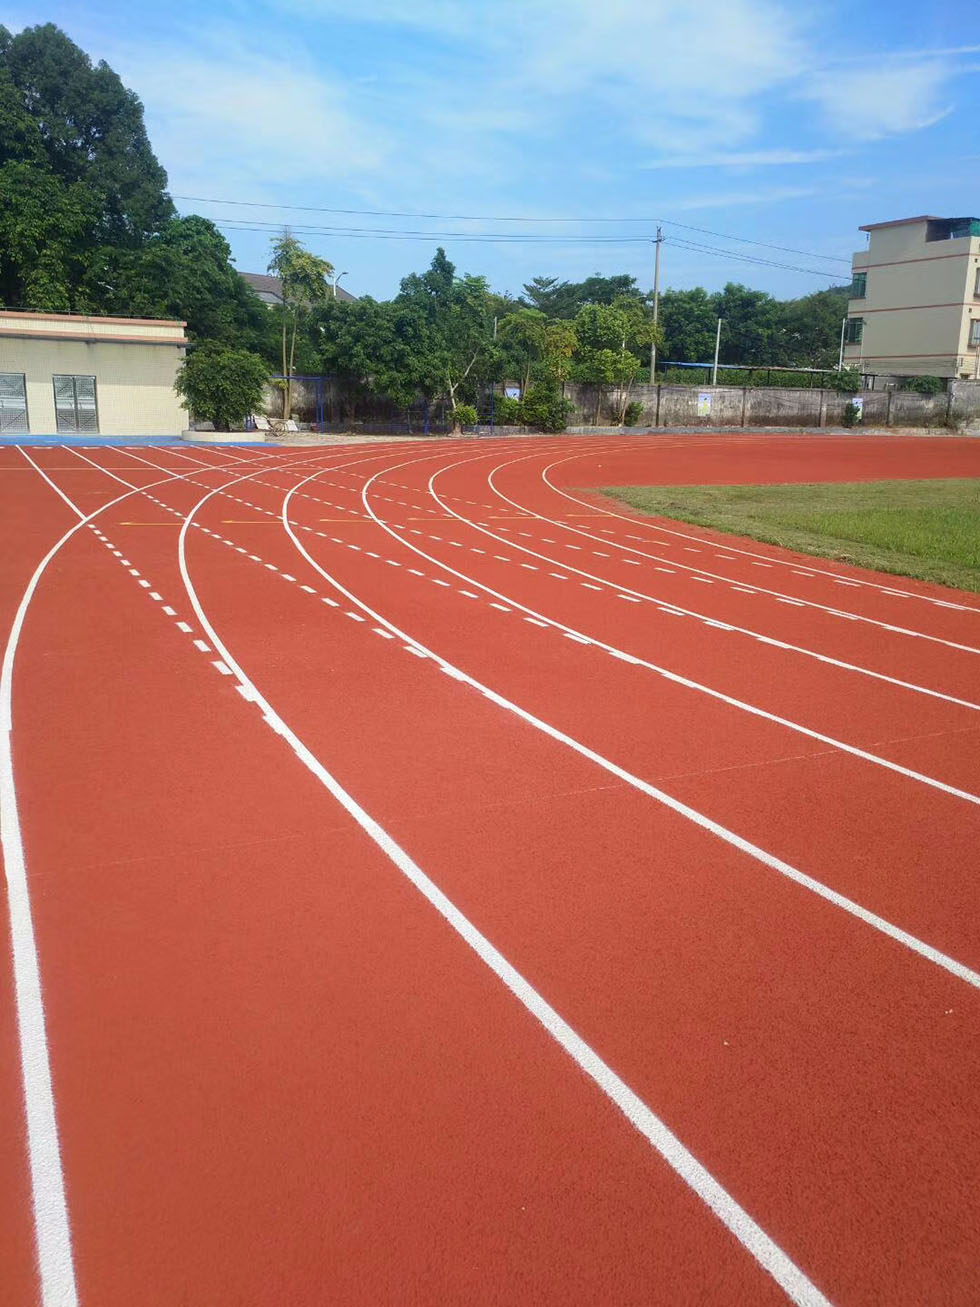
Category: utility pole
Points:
column 656, row 301
column 714, row 370
column 840, row 356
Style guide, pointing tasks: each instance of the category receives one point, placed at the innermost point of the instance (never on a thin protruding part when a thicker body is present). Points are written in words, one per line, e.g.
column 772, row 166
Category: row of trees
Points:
column 87, row 225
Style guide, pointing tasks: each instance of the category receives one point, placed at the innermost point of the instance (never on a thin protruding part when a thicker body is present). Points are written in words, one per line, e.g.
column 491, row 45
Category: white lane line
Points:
column 534, row 621
column 331, row 603
column 157, row 598
column 740, row 704
column 222, row 667
column 171, row 612
column 503, row 608
column 752, row 1237
column 309, row 589
column 183, row 626
column 144, row 583
column 587, row 585
column 355, row 617
column 204, row 648
column 385, row 635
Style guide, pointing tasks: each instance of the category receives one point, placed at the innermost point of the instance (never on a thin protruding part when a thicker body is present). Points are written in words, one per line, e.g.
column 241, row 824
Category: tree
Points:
column 607, row 336
column 523, row 335
column 221, row 384
column 184, row 271
column 563, row 299
column 76, row 168
column 750, row 330
column 687, row 319
column 304, row 284
column 449, row 322
column 811, row 327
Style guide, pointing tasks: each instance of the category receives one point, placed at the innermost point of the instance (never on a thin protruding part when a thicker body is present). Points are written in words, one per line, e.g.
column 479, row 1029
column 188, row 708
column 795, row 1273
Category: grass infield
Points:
column 925, row 529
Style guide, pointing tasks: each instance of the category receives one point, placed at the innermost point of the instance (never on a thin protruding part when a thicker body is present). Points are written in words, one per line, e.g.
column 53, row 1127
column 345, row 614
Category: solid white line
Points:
column 748, row 553
column 827, row 659
column 753, row 1238
column 792, row 873
column 741, row 704
column 60, row 493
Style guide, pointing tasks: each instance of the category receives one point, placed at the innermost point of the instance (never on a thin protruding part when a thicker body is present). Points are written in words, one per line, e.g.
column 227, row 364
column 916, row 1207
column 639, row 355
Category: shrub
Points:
column 222, row 385
column 464, row 416
column 544, row 408
column 850, row 415
column 633, row 413
column 846, row 382
column 925, row 385
column 506, row 411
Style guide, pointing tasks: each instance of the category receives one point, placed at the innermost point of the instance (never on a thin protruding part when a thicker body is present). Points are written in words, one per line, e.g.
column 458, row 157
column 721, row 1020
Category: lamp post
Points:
column 714, row 370
column 336, row 277
column 840, row 356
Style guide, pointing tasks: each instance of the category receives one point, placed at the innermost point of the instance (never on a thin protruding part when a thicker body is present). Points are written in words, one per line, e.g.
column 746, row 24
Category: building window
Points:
column 976, row 284
column 75, row 405
column 13, row 402
column 859, row 286
column 975, row 333
column 855, row 331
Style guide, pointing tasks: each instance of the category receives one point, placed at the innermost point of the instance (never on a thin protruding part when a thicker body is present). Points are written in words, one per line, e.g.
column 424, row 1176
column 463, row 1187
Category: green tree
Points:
column 608, row 336
column 76, row 168
column 522, row 336
column 563, row 299
column 184, row 271
column 221, row 384
column 811, row 327
column 687, row 319
column 304, row 284
column 447, row 322
column 750, row 332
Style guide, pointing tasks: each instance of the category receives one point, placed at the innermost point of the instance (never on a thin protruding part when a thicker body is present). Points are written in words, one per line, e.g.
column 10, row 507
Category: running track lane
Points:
column 306, row 695
column 284, row 1078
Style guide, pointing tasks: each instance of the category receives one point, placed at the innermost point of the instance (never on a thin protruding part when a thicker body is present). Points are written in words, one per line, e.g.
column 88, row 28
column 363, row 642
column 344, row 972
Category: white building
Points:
column 64, row 374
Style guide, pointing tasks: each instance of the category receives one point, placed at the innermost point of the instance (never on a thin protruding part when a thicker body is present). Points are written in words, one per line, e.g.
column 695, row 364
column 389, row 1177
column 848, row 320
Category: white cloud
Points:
column 870, row 103
column 744, row 159
column 223, row 115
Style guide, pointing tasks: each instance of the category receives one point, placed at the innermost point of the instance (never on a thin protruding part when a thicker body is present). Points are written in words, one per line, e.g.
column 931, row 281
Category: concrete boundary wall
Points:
column 758, row 406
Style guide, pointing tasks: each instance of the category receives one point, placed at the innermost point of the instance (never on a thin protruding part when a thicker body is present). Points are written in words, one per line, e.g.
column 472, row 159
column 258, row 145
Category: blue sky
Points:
column 762, row 119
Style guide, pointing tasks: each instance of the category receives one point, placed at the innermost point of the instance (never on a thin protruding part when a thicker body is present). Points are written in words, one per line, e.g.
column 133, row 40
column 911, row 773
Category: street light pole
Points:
column 840, row 356
column 336, row 277
column 714, row 370
column 656, row 302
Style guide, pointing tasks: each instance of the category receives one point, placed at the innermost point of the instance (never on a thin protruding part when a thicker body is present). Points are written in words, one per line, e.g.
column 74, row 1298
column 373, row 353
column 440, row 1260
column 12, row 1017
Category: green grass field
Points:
column 925, row 529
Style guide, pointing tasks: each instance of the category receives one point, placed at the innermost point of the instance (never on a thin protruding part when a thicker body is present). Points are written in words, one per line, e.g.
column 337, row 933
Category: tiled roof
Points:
column 271, row 287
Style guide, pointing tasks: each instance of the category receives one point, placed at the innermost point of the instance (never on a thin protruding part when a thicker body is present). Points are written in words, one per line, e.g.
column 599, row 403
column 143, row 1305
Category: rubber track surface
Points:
column 717, row 803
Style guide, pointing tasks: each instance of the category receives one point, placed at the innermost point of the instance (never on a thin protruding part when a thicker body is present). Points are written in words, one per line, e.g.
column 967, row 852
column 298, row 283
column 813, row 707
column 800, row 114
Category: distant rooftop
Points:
column 269, row 289
column 937, row 229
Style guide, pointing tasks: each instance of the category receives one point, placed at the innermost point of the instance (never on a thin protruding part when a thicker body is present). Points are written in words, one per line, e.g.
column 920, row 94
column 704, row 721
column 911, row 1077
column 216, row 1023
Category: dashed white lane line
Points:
column 157, row 598
column 385, row 635
column 534, row 621
column 502, row 607
column 331, row 603
column 183, row 626
column 204, row 648
column 171, row 612
column 221, row 667
column 355, row 617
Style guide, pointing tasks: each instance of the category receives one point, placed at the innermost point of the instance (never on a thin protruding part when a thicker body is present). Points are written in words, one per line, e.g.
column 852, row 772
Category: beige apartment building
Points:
column 915, row 299
column 65, row 374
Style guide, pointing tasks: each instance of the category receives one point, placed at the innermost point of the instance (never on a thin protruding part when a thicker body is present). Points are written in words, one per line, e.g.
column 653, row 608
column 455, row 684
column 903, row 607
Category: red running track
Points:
column 445, row 888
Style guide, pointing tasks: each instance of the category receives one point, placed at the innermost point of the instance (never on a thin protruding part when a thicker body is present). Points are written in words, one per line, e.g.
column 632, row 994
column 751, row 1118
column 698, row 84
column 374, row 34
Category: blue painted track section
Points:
column 100, row 442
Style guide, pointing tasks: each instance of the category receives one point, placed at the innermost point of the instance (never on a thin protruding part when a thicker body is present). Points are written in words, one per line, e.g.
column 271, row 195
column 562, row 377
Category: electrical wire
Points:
column 464, row 217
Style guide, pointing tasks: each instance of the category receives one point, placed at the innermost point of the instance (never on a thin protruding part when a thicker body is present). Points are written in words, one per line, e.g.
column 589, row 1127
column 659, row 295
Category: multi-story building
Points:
column 915, row 299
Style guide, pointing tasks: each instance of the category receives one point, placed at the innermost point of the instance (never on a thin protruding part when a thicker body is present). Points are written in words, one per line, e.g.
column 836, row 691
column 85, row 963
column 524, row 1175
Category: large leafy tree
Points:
column 185, row 271
column 448, row 323
column 76, row 168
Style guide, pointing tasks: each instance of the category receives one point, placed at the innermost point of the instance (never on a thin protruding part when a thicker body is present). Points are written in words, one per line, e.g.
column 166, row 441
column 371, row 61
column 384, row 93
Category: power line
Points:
column 472, row 238
column 465, row 217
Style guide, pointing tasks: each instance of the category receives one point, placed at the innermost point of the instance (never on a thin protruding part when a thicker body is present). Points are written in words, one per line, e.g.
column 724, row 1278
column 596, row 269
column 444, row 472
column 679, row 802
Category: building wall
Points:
column 918, row 306
column 134, row 364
